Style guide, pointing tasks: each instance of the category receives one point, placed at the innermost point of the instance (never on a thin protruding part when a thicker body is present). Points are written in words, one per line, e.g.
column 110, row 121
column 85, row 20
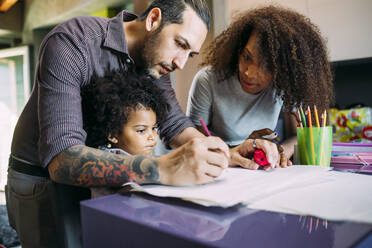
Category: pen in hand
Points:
column 204, row 126
column 207, row 133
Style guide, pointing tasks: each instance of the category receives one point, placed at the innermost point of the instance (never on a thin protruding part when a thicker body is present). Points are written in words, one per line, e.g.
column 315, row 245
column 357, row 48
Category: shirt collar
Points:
column 115, row 37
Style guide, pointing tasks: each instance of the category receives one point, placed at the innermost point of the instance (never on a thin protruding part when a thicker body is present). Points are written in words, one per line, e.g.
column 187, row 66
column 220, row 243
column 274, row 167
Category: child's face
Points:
column 139, row 134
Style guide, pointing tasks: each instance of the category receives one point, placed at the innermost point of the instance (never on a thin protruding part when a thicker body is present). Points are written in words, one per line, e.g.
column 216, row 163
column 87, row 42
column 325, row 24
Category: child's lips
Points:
column 150, row 147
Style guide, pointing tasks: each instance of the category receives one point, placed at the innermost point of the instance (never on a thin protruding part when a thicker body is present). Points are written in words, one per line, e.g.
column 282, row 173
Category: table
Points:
column 140, row 220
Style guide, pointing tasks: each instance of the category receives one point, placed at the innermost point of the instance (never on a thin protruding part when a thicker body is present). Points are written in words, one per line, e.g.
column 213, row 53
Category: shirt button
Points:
column 128, row 60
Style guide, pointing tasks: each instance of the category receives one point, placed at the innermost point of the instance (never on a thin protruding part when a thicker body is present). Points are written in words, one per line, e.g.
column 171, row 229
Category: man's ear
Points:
column 153, row 19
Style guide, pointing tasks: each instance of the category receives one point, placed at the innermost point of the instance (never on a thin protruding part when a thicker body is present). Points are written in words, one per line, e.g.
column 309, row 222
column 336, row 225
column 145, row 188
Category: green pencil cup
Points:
column 314, row 145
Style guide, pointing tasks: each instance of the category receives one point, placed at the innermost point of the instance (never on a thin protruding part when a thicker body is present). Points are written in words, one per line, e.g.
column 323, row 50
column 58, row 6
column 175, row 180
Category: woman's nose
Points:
column 251, row 72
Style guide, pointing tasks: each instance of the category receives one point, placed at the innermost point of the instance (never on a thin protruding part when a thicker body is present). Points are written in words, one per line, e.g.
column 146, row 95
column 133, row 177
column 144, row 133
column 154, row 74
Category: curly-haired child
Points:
column 121, row 114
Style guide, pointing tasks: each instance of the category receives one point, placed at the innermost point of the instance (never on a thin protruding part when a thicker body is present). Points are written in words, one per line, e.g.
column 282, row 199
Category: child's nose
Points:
column 150, row 137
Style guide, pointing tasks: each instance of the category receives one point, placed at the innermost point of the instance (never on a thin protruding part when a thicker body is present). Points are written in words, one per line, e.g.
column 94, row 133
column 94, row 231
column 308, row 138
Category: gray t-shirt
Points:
column 229, row 112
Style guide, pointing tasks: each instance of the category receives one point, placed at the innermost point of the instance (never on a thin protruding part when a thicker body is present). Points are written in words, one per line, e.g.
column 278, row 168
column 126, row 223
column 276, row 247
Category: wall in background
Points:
column 14, row 92
column 46, row 13
column 344, row 24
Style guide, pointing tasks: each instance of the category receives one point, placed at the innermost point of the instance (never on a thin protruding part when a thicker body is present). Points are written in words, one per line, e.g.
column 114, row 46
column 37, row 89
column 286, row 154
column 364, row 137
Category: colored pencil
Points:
column 311, row 135
column 299, row 118
column 309, row 117
column 316, row 116
column 323, row 130
column 303, row 117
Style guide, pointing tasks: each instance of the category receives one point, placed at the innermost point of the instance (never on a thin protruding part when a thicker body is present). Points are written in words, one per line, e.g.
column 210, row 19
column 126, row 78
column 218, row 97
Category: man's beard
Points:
column 149, row 55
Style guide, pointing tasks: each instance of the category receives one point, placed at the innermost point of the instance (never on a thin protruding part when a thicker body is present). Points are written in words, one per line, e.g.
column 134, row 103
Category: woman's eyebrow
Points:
column 246, row 50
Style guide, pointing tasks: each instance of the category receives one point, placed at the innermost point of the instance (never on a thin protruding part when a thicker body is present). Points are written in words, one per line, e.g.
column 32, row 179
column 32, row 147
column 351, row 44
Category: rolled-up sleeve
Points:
column 176, row 120
column 62, row 70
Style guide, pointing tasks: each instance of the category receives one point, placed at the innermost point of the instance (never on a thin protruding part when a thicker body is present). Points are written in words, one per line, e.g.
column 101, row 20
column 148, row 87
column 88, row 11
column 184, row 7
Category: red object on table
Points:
column 260, row 157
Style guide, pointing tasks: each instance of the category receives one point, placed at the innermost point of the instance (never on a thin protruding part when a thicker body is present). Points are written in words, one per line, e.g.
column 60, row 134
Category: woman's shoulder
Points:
column 208, row 75
column 205, row 72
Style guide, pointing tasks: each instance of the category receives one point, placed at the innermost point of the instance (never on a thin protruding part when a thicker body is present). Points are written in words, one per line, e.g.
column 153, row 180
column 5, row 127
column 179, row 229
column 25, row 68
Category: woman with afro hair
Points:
column 268, row 60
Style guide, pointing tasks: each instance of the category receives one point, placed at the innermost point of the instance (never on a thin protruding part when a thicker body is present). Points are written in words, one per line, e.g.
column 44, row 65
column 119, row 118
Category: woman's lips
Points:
column 249, row 85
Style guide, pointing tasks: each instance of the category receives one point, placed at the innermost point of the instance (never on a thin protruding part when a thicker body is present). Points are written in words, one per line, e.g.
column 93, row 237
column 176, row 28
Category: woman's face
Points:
column 252, row 75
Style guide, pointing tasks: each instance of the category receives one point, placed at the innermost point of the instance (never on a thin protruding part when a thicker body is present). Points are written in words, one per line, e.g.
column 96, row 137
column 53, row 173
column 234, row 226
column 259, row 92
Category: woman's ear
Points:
column 153, row 19
column 113, row 140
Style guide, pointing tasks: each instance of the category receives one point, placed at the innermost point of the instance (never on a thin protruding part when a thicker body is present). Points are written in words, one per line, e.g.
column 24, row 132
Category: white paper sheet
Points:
column 242, row 186
column 346, row 196
column 304, row 190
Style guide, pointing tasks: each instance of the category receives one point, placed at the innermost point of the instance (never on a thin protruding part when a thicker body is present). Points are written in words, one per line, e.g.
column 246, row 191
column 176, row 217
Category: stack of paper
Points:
column 242, row 186
column 305, row 190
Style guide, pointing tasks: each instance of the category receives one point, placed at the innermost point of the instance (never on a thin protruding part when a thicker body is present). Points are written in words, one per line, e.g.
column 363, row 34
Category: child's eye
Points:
column 156, row 129
column 140, row 130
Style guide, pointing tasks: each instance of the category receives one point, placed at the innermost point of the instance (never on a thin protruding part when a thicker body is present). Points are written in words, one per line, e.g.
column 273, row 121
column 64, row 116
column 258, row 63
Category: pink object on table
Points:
column 260, row 157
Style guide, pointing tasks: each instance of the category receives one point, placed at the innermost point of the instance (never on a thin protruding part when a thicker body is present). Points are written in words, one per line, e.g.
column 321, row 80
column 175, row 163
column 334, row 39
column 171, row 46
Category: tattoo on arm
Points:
column 88, row 167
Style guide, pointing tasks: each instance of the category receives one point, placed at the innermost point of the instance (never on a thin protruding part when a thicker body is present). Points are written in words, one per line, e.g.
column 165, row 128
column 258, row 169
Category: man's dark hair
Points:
column 107, row 102
column 172, row 10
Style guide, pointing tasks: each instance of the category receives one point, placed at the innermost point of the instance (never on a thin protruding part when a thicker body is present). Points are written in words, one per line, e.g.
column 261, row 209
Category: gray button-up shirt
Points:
column 69, row 55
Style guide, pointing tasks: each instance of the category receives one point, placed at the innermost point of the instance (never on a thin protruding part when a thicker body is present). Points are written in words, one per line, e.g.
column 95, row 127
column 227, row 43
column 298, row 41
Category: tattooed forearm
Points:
column 89, row 167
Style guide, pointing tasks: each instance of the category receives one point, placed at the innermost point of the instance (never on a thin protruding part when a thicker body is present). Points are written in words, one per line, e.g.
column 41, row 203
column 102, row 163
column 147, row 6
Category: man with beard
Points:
column 48, row 148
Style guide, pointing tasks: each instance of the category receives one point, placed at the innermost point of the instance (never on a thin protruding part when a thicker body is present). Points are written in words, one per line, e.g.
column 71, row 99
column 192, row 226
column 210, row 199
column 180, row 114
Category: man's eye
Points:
column 180, row 44
column 191, row 55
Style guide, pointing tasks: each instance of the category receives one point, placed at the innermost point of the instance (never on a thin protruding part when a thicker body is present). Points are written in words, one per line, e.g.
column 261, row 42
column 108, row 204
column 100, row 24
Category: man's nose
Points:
column 181, row 60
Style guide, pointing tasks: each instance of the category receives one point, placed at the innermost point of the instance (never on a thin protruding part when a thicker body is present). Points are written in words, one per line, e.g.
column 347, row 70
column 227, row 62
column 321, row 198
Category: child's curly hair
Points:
column 107, row 102
column 289, row 46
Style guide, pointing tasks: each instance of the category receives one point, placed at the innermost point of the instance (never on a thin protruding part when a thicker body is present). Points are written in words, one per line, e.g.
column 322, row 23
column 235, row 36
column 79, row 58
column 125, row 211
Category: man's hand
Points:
column 240, row 153
column 198, row 161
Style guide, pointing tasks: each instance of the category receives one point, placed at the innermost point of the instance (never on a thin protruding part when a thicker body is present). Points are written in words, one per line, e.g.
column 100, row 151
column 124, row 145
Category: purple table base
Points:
column 139, row 220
